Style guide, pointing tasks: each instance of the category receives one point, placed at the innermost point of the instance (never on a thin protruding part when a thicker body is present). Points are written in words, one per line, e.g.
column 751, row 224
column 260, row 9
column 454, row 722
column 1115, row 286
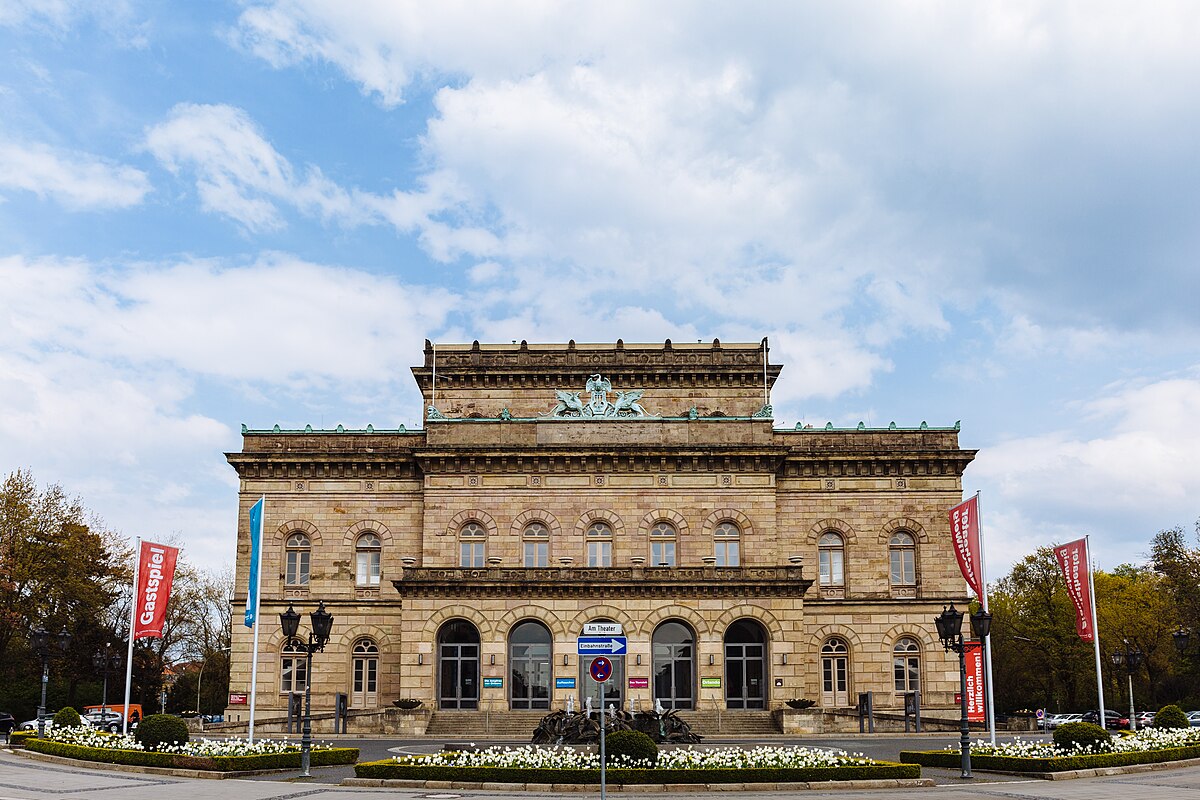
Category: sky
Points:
column 223, row 213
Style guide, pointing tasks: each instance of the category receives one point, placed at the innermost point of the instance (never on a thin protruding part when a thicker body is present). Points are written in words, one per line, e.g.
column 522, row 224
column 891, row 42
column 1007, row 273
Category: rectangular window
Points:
column 662, row 554
column 471, row 554
column 294, row 674
column 904, row 570
column 537, row 554
column 728, row 554
column 297, row 567
column 831, row 570
column 599, row 554
column 906, row 672
column 368, row 568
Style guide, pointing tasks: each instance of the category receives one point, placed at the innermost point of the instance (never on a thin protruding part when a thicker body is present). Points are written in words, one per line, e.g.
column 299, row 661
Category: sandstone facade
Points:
column 521, row 495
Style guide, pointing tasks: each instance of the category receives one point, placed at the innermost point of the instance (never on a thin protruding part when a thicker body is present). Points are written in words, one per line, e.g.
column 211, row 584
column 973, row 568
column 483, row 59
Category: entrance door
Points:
column 458, row 666
column 364, row 692
column 529, row 660
column 835, row 670
column 745, row 665
column 674, row 666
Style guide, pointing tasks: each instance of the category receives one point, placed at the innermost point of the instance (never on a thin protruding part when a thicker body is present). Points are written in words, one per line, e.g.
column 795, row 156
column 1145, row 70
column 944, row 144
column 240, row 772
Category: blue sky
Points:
column 217, row 213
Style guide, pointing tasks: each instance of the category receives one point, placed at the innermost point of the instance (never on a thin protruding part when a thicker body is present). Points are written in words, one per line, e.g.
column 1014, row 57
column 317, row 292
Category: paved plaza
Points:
column 26, row 779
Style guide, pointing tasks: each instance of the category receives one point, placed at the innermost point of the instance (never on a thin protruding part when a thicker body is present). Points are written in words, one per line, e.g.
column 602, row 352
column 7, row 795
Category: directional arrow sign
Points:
column 601, row 645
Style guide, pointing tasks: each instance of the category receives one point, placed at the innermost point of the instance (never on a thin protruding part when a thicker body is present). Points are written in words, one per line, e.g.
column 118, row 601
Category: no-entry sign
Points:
column 601, row 669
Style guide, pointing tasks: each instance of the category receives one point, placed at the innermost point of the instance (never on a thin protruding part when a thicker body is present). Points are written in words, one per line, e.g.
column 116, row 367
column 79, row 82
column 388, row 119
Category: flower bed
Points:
column 1150, row 746
column 231, row 755
column 564, row 765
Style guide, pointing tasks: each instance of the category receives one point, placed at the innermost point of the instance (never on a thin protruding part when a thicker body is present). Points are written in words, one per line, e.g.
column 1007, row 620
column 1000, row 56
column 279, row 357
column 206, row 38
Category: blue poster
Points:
column 564, row 683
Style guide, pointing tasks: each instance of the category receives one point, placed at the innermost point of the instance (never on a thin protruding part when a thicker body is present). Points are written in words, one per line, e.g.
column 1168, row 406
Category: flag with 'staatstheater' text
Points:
column 1072, row 560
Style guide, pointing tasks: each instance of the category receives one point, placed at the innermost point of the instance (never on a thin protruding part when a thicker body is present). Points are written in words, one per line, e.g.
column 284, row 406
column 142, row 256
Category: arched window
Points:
column 835, row 673
column 599, row 545
column 727, row 545
column 537, row 545
column 831, row 557
column 472, row 545
column 366, row 559
column 365, row 691
column 293, row 668
column 903, row 550
column 674, row 651
column 906, row 665
column 662, row 545
column 529, row 666
column 299, row 552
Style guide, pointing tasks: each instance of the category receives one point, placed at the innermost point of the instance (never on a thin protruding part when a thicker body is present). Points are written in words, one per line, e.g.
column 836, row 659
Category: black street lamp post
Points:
column 322, row 623
column 1130, row 658
column 39, row 638
column 104, row 661
column 1182, row 637
column 949, row 628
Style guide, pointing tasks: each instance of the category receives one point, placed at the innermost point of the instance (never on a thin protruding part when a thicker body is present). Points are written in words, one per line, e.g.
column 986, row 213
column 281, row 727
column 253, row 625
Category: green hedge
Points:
column 141, row 758
column 389, row 769
column 951, row 760
column 18, row 738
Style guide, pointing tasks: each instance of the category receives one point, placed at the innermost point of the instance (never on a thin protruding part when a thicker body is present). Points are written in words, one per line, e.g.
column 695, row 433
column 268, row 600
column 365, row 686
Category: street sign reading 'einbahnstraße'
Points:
column 601, row 645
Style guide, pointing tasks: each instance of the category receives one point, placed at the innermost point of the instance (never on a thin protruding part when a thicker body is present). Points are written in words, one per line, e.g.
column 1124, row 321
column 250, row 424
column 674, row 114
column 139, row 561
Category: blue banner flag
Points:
column 256, row 534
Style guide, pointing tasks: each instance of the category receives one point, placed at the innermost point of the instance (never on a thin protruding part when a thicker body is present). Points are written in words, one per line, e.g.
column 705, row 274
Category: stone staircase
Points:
column 723, row 723
column 470, row 725
column 519, row 725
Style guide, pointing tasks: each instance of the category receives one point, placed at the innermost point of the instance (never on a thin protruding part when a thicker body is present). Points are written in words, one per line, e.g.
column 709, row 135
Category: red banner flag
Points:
column 156, row 571
column 1072, row 560
column 976, row 704
column 964, row 527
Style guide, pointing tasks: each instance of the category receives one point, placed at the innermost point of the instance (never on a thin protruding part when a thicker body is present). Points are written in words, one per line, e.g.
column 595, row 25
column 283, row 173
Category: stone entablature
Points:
column 662, row 582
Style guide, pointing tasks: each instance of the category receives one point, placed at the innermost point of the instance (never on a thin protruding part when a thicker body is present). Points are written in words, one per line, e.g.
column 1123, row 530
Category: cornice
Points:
column 598, row 583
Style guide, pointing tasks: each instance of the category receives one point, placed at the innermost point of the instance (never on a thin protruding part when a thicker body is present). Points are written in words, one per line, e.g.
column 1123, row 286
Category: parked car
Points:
column 104, row 720
column 1194, row 718
column 1112, row 719
column 7, row 722
column 1145, row 719
column 1062, row 719
column 31, row 725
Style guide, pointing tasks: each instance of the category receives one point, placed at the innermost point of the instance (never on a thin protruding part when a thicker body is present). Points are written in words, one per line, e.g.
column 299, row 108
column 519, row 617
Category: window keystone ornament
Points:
column 598, row 405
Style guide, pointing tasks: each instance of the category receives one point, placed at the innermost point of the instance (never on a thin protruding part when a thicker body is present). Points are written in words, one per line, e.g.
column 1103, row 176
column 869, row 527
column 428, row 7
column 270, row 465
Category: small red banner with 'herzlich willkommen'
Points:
column 976, row 702
column 1072, row 560
column 156, row 571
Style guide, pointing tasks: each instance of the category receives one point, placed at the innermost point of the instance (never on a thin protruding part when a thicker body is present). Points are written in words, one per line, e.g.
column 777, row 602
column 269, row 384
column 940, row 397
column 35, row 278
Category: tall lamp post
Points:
column 39, row 638
column 1182, row 638
column 949, row 628
column 322, row 623
column 1130, row 658
column 104, row 661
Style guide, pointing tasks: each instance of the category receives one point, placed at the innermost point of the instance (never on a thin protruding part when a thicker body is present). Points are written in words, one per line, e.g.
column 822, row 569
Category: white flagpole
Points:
column 133, row 601
column 257, row 617
column 987, row 640
column 1087, row 545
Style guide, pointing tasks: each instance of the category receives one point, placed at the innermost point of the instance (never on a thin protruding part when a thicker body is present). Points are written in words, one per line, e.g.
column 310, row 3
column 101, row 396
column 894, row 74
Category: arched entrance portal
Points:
column 674, row 666
column 745, row 665
column 529, row 663
column 458, row 666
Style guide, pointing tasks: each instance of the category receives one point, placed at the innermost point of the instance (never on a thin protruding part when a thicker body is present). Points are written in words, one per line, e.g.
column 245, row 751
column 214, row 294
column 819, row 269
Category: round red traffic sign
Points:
column 601, row 669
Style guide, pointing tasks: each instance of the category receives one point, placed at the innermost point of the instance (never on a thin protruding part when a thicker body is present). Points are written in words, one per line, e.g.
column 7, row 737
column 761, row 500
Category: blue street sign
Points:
column 601, row 645
column 601, row 669
column 564, row 683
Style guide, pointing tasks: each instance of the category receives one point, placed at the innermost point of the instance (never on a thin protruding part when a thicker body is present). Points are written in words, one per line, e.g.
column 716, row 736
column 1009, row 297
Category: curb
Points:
column 824, row 786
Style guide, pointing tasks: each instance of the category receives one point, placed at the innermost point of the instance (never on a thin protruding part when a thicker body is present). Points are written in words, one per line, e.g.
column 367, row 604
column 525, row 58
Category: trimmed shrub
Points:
column 18, row 738
column 67, row 718
column 141, row 758
column 1171, row 717
column 159, row 729
column 631, row 744
column 947, row 759
column 389, row 769
column 1083, row 734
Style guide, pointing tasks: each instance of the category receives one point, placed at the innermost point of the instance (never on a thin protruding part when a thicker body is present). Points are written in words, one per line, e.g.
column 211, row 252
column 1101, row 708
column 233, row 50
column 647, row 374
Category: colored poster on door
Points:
column 976, row 696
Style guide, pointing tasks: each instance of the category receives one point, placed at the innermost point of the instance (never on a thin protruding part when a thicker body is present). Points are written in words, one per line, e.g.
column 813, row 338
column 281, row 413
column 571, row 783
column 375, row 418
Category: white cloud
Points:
column 74, row 179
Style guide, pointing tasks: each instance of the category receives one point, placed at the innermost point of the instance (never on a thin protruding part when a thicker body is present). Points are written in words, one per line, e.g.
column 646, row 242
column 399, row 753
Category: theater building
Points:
column 553, row 486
